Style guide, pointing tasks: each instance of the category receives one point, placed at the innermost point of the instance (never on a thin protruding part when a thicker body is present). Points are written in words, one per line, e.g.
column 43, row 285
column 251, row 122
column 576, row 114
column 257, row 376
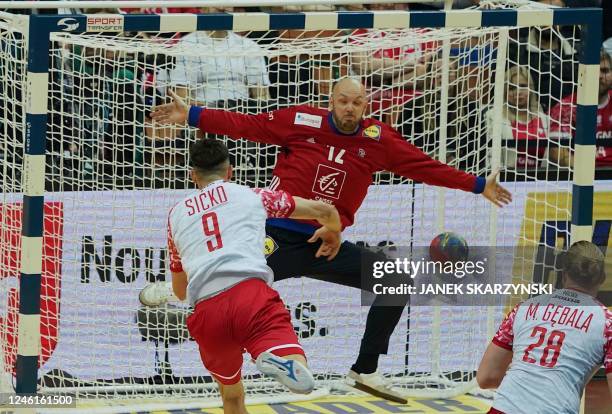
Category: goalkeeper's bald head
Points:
column 209, row 161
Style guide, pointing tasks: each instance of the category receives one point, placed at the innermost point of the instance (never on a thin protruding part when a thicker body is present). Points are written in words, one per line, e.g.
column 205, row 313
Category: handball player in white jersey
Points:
column 216, row 242
column 547, row 349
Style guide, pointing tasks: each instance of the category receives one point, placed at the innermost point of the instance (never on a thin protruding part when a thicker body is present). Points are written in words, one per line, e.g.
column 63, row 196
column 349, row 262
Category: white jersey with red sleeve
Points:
column 558, row 341
column 216, row 235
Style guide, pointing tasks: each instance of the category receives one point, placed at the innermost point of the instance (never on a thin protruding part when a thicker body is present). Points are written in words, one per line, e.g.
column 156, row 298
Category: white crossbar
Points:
column 192, row 3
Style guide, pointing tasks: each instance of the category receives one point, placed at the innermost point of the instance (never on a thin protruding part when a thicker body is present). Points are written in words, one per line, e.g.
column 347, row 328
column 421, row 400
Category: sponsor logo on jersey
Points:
column 603, row 134
column 308, row 119
column 373, row 131
column 328, row 181
column 270, row 246
column 105, row 23
column 325, row 200
column 311, row 140
column 361, row 153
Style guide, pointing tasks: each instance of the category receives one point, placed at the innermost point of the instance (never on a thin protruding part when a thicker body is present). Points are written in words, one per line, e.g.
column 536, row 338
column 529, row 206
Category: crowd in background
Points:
column 110, row 137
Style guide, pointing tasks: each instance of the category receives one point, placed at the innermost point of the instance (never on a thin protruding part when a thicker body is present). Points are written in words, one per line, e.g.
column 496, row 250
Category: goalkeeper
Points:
column 329, row 155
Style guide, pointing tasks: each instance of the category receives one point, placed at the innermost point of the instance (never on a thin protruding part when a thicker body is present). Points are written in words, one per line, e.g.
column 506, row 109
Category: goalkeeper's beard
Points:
column 347, row 126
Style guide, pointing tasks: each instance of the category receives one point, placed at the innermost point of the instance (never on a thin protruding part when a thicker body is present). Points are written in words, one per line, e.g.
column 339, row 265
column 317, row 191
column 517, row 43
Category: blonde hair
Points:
column 584, row 264
column 522, row 73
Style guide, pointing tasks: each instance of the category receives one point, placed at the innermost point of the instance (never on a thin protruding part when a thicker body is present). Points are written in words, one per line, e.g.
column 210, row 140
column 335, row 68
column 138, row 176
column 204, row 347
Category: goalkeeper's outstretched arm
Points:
column 258, row 128
column 409, row 161
column 175, row 112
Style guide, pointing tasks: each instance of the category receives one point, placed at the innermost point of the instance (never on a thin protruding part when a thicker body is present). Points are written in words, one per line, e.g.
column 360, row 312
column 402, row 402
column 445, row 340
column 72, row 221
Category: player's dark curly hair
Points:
column 584, row 264
column 208, row 156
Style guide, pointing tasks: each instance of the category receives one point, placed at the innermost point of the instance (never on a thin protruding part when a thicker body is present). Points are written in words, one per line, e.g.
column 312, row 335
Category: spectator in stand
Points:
column 155, row 157
column 303, row 77
column 220, row 81
column 470, row 92
column 563, row 115
column 525, row 127
column 570, row 33
column 392, row 75
column 99, row 134
column 551, row 58
column 235, row 78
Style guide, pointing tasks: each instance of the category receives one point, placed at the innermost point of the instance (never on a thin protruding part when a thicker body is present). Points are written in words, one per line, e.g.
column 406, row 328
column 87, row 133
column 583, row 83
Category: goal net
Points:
column 477, row 98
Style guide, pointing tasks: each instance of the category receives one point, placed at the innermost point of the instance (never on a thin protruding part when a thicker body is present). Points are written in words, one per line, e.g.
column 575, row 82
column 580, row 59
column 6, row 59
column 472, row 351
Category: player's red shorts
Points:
column 249, row 316
column 494, row 411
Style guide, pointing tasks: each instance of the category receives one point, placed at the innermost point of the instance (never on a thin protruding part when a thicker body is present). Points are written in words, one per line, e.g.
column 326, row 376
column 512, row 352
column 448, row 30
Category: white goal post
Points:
column 87, row 178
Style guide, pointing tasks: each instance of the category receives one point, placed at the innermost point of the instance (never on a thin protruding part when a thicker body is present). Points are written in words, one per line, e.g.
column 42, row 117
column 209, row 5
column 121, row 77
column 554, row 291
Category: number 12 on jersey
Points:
column 210, row 223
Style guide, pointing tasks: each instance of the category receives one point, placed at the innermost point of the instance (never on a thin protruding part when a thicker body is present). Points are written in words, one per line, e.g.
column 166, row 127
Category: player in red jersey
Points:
column 330, row 155
column 563, row 115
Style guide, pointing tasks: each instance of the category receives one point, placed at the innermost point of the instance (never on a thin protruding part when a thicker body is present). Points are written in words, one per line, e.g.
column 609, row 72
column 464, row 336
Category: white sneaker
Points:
column 292, row 374
column 376, row 385
column 157, row 294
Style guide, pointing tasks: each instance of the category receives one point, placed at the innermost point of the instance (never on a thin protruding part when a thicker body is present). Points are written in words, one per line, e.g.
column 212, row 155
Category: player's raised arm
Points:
column 328, row 217
column 324, row 213
column 409, row 161
column 282, row 204
column 267, row 128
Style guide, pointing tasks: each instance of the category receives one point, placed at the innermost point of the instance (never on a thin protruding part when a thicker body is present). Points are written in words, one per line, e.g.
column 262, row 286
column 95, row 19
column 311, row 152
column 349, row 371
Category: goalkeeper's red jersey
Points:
column 319, row 162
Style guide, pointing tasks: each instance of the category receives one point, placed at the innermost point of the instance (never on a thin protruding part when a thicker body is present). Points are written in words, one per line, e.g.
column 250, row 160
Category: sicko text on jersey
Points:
column 205, row 200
